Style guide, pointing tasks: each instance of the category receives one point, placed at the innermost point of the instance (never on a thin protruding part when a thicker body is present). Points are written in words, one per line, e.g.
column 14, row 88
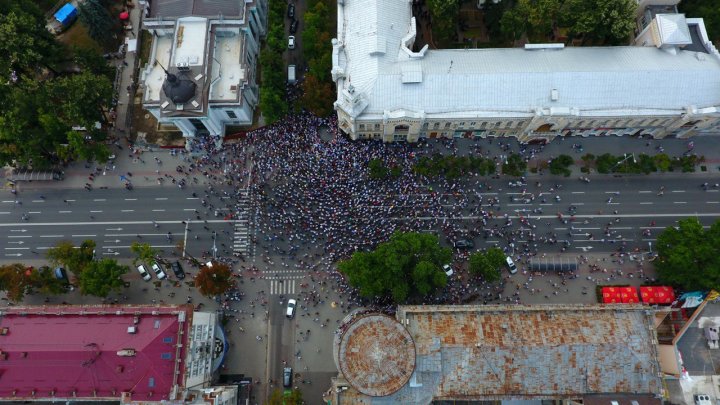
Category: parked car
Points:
column 293, row 26
column 287, row 377
column 290, row 312
column 143, row 272
column 511, row 265
column 159, row 271
column 291, row 42
column 448, row 270
column 178, row 270
column 291, row 10
column 463, row 244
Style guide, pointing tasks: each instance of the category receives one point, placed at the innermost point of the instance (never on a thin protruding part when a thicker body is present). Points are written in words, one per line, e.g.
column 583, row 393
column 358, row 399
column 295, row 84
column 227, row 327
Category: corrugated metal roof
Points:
column 625, row 80
column 538, row 352
column 205, row 8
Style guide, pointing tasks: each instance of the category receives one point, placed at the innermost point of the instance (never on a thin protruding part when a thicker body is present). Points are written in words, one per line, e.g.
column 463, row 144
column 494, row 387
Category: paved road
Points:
column 115, row 218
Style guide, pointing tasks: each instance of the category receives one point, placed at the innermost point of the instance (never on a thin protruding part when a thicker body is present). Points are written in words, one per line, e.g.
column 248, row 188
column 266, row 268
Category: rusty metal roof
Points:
column 527, row 352
column 376, row 355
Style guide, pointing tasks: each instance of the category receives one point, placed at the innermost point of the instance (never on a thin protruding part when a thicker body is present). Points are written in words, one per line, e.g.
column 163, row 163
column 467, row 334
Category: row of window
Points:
column 618, row 123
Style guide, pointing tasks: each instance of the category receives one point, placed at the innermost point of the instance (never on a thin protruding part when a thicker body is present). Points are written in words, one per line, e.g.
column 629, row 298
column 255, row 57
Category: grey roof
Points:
column 179, row 88
column 527, row 352
column 697, row 358
column 599, row 80
column 203, row 8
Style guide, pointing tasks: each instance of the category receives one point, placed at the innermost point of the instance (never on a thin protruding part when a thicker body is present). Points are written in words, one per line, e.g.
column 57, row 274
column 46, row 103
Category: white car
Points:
column 511, row 265
column 291, row 42
column 144, row 273
column 290, row 311
column 448, row 270
column 159, row 271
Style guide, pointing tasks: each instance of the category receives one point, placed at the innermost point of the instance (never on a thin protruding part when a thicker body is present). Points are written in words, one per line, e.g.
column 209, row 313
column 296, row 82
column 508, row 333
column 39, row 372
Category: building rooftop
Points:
column 227, row 71
column 91, row 352
column 379, row 355
column 697, row 357
column 205, row 8
column 519, row 352
column 374, row 58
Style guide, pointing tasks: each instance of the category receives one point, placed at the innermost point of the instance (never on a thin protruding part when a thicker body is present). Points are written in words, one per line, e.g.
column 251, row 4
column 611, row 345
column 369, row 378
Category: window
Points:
column 157, row 324
column 425, row 126
column 483, row 125
column 231, row 114
column 436, row 125
column 168, row 339
column 472, row 124
column 377, row 127
column 151, row 382
column 462, row 124
column 166, row 356
column 362, row 127
column 447, row 125
column 497, row 124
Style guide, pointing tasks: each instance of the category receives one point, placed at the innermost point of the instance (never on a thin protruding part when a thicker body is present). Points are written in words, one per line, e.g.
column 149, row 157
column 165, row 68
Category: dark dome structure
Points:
column 178, row 89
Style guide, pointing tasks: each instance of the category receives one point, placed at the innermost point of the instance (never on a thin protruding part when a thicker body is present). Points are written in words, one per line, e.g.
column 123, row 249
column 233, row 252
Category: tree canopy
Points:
column 408, row 266
column 289, row 397
column 487, row 264
column 318, row 88
column 14, row 280
column 67, row 255
column 689, row 256
column 101, row 277
column 214, row 280
column 143, row 253
column 514, row 165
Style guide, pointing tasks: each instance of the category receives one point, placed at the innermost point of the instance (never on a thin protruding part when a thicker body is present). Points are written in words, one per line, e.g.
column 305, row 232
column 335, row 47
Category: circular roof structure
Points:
column 178, row 89
column 376, row 355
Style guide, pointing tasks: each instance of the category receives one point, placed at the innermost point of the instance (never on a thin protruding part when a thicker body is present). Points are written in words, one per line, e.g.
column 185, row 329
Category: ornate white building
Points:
column 201, row 72
column 668, row 84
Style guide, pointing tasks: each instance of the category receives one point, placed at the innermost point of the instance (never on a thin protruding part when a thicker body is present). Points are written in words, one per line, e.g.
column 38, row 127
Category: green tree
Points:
column 487, row 264
column 143, row 253
column 15, row 281
column 561, row 164
column 377, row 169
column 443, row 14
column 318, row 95
column 215, row 280
column 97, row 20
column 102, row 277
column 610, row 21
column 514, row 165
column 289, row 397
column 44, row 280
column 662, row 162
column 689, row 256
column 74, row 259
column 407, row 266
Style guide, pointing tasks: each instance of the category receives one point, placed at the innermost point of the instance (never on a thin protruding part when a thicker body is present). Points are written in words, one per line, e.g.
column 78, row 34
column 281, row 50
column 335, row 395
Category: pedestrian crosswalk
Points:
column 282, row 287
column 243, row 226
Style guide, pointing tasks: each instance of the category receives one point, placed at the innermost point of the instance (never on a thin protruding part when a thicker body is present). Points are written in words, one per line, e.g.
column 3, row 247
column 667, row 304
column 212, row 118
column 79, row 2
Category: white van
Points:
column 291, row 74
column 511, row 265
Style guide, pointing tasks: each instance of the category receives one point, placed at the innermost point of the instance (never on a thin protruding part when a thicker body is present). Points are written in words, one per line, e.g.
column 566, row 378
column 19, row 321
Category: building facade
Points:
column 389, row 90
column 201, row 73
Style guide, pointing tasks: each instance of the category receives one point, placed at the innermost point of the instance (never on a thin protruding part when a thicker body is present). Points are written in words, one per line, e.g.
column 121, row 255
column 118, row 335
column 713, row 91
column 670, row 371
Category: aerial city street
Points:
column 360, row 202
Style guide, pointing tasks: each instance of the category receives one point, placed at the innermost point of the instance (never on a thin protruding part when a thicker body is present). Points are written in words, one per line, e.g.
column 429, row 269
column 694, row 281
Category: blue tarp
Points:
column 66, row 14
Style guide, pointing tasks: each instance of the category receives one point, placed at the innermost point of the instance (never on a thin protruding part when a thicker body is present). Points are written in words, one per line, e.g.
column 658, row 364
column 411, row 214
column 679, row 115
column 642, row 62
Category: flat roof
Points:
column 206, row 8
column 88, row 352
column 227, row 71
column 697, row 357
column 518, row 352
column 190, row 41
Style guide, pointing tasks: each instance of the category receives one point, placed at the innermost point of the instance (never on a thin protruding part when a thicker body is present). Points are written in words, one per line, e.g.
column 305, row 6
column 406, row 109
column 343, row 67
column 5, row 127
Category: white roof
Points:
column 498, row 81
column 673, row 29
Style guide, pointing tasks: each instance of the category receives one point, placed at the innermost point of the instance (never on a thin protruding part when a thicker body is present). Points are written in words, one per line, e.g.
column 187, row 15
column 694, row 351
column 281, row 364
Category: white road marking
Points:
column 127, row 210
column 612, row 192
column 64, row 212
column 712, row 202
column 34, row 212
column 645, row 203
column 83, row 236
column 192, row 198
column 577, row 203
column 99, row 199
column 4, row 212
column 128, row 247
column 161, row 198
column 52, row 236
column 678, row 191
column 578, row 192
column 18, row 248
column 679, row 202
column 9, row 201
column 96, row 211
column 158, row 210
column 38, row 200
column 20, row 236
column 131, row 199
column 644, row 191
column 188, row 209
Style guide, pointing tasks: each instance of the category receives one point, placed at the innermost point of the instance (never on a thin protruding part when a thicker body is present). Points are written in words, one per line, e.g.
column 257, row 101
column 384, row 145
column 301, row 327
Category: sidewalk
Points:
column 129, row 69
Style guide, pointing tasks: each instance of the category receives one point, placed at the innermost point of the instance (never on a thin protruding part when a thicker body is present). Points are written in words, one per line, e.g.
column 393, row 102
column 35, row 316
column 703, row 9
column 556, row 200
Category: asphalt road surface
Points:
column 114, row 218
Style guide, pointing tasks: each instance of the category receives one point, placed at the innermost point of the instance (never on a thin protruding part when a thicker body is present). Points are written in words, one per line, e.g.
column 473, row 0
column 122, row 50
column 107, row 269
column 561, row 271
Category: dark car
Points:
column 293, row 26
column 291, row 10
column 178, row 270
column 287, row 377
column 463, row 244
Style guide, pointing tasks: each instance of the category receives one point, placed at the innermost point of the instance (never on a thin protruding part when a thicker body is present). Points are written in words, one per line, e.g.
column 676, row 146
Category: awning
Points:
column 629, row 295
column 611, row 295
column 657, row 295
column 124, row 15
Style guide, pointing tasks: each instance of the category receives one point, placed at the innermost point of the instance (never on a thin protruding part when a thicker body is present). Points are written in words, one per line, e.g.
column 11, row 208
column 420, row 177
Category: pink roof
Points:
column 56, row 351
